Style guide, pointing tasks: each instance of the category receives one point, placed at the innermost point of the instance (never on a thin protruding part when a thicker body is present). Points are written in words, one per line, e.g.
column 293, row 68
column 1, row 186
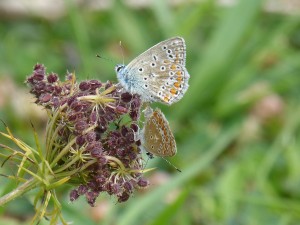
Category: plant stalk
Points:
column 22, row 189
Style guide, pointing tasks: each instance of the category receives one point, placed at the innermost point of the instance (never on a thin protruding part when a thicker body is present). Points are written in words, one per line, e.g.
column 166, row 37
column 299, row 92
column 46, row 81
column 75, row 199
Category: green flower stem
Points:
column 66, row 149
column 27, row 186
column 114, row 159
column 52, row 151
column 67, row 165
column 49, row 135
column 72, row 172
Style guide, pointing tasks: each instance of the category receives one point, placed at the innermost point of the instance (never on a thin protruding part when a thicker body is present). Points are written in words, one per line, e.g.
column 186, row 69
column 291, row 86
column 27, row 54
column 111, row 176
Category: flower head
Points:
column 91, row 134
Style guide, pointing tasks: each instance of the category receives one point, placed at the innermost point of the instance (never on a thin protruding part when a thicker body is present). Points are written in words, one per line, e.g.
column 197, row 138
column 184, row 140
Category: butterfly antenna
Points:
column 101, row 57
column 122, row 51
column 171, row 164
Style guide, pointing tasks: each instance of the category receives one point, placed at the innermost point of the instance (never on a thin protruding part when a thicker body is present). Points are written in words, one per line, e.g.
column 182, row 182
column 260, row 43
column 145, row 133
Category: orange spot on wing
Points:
column 166, row 99
column 179, row 73
column 173, row 66
column 177, row 84
column 173, row 91
column 179, row 79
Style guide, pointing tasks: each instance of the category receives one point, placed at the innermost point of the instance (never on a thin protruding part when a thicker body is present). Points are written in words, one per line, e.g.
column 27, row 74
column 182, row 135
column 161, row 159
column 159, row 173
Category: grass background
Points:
column 237, row 128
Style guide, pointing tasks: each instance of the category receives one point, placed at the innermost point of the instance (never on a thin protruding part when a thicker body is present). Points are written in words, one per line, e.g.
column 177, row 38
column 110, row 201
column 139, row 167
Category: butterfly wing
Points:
column 157, row 136
column 159, row 74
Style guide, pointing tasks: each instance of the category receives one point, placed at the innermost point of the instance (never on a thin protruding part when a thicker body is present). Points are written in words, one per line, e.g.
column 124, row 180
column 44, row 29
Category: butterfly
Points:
column 158, row 74
column 156, row 135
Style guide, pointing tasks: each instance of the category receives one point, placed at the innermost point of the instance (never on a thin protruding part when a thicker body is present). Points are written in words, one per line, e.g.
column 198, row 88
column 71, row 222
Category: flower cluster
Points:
column 91, row 134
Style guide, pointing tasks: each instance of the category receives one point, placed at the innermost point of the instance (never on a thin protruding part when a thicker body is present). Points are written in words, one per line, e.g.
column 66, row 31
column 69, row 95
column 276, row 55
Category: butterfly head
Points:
column 119, row 68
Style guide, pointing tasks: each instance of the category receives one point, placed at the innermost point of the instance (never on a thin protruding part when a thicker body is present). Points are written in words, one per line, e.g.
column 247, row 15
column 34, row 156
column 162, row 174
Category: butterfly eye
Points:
column 119, row 68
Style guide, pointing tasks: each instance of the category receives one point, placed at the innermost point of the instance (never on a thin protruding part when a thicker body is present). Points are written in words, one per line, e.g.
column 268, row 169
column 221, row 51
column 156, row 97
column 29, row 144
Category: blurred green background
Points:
column 237, row 128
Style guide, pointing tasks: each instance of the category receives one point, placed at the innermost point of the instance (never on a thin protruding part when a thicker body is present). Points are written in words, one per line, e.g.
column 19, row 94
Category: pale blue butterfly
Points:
column 158, row 74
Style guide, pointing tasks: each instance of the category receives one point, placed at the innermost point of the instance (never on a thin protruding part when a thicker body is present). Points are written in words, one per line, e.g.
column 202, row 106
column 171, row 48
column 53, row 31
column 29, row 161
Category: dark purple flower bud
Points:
column 49, row 88
column 94, row 84
column 120, row 153
column 52, row 78
column 142, row 182
column 108, row 85
column 115, row 189
column 102, row 121
column 39, row 75
column 57, row 90
column 80, row 115
column 126, row 97
column 130, row 136
column 124, row 131
column 39, row 67
column 72, row 116
column 82, row 189
column 135, row 103
column 70, row 76
column 91, row 197
column 121, row 110
column 45, row 98
column 134, row 127
column 40, row 87
column 83, row 86
column 76, row 106
column 55, row 102
column 30, row 80
column 91, row 136
column 80, row 140
column 67, row 88
column 94, row 145
column 71, row 100
column 92, row 185
column 134, row 115
column 81, row 126
column 124, row 197
column 93, row 117
column 128, row 186
column 74, row 195
column 101, row 179
column 102, row 160
column 97, row 153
